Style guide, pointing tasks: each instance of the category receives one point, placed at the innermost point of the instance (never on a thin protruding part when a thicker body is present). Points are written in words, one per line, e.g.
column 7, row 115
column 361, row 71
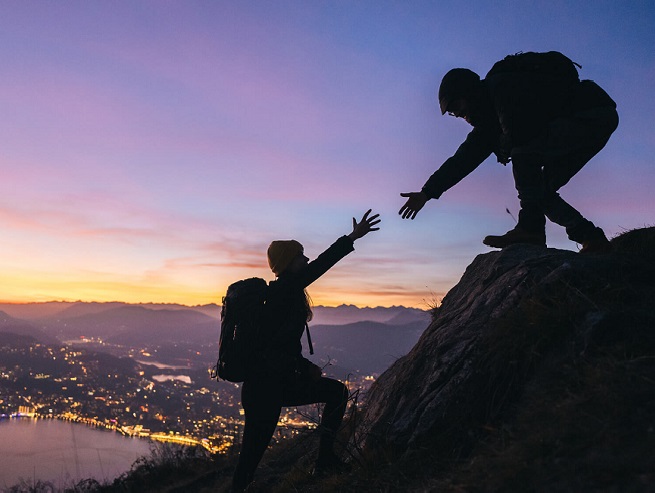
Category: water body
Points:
column 62, row 452
column 163, row 366
column 164, row 378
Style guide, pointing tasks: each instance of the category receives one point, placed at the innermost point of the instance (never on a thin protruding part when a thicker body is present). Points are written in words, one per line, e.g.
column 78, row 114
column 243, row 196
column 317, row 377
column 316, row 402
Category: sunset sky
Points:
column 150, row 151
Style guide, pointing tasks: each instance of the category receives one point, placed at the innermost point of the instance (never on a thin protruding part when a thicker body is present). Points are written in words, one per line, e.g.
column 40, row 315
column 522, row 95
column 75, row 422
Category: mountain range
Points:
column 346, row 338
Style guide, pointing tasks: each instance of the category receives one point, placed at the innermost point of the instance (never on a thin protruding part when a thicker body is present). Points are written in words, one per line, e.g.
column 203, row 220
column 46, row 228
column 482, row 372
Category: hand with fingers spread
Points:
column 365, row 226
column 415, row 202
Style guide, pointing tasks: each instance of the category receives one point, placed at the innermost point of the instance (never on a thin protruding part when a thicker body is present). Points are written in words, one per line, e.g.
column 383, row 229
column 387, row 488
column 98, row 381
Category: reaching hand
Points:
column 365, row 226
column 415, row 202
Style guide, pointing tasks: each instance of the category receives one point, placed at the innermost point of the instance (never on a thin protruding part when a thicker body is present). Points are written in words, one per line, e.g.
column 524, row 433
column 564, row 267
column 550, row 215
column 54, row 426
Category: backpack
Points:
column 241, row 318
column 552, row 66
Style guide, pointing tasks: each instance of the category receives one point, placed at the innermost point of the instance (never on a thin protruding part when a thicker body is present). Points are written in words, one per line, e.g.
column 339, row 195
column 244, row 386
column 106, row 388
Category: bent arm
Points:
column 325, row 261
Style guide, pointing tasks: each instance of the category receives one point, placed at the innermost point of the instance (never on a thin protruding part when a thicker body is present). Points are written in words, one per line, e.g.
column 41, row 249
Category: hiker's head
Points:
column 458, row 92
column 285, row 254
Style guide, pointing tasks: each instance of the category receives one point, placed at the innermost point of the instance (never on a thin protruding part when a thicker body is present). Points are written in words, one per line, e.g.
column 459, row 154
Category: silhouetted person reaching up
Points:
column 548, row 125
column 282, row 377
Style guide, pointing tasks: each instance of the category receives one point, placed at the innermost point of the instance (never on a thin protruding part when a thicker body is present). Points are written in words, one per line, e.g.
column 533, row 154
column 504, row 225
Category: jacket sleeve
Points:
column 477, row 147
column 324, row 262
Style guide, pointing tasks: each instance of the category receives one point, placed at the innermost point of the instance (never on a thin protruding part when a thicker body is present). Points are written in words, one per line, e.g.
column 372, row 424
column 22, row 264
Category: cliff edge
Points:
column 532, row 344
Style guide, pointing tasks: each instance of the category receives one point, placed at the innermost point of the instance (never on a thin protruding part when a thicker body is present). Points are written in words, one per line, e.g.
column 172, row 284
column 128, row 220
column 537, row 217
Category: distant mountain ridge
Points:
column 136, row 325
column 11, row 325
column 66, row 309
column 346, row 338
column 323, row 315
column 347, row 314
column 364, row 345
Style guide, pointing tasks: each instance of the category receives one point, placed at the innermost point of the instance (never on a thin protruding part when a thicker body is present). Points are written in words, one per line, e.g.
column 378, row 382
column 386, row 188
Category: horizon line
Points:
column 192, row 306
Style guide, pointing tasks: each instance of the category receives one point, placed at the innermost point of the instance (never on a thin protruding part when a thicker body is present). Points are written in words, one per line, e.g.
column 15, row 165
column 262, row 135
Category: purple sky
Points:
column 150, row 151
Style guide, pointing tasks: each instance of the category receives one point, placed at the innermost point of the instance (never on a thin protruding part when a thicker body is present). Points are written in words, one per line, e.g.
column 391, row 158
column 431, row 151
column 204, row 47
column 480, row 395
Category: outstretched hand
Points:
column 415, row 202
column 365, row 226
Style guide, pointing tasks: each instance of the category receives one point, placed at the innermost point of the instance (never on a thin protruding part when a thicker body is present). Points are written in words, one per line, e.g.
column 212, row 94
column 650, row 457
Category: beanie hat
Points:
column 281, row 253
column 457, row 83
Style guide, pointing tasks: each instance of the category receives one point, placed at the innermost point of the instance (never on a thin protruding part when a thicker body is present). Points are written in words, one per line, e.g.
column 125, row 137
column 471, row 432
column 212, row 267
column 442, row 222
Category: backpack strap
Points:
column 309, row 339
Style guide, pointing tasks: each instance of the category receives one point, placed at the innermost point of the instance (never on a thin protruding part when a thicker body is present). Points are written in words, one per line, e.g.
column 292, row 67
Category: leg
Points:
column 529, row 182
column 335, row 396
column 566, row 147
column 571, row 142
column 578, row 229
column 562, row 213
column 574, row 142
column 262, row 404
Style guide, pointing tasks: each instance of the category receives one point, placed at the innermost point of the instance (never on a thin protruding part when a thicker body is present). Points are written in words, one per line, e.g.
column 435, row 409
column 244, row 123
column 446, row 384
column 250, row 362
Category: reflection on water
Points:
column 163, row 366
column 63, row 452
column 164, row 378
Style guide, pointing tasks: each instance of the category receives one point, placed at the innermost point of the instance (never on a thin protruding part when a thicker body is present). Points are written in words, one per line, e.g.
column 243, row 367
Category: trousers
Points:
column 547, row 163
column 262, row 402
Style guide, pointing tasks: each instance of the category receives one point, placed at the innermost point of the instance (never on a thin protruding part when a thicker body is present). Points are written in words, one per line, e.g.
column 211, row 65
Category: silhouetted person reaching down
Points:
column 282, row 376
column 546, row 127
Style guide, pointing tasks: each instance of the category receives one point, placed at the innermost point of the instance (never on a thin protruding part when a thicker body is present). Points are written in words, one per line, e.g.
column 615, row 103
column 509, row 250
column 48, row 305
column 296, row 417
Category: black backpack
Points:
column 551, row 66
column 241, row 318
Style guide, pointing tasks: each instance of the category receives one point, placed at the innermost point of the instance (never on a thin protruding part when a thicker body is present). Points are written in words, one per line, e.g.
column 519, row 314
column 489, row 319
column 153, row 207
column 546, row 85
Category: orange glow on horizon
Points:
column 192, row 287
column 47, row 290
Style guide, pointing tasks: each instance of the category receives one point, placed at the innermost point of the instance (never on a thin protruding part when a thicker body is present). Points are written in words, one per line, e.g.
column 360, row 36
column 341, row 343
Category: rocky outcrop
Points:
column 513, row 313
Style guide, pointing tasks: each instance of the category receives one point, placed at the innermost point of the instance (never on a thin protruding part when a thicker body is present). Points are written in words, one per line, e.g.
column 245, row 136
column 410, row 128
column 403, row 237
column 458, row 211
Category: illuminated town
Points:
column 125, row 390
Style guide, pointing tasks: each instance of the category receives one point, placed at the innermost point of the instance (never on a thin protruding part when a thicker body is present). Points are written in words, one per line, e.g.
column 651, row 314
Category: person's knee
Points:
column 343, row 391
column 528, row 178
column 337, row 391
column 338, row 388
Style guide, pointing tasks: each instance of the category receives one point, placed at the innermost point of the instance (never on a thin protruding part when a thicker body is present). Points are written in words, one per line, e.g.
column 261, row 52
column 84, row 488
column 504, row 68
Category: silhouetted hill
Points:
column 81, row 309
column 135, row 325
column 21, row 327
column 89, row 308
column 68, row 320
column 366, row 346
column 536, row 371
column 32, row 311
column 347, row 314
column 176, row 326
column 323, row 315
column 60, row 310
column 15, row 340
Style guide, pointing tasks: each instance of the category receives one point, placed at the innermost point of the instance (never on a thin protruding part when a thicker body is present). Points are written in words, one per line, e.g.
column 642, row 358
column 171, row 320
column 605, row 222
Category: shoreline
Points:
column 129, row 431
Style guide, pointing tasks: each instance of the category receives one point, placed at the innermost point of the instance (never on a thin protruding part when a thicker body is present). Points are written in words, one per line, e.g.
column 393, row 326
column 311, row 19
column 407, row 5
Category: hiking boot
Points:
column 514, row 236
column 330, row 464
column 597, row 242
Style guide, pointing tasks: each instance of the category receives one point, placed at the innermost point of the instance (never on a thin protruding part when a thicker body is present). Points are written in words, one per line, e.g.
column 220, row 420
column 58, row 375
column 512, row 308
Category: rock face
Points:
column 512, row 312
